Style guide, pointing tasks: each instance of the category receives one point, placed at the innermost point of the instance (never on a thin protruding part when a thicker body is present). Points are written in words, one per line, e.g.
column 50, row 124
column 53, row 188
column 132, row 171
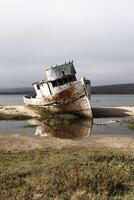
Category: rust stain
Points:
column 68, row 94
column 65, row 94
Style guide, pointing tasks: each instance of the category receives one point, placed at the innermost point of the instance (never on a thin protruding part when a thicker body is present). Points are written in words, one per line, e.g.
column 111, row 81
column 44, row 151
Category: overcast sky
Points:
column 97, row 34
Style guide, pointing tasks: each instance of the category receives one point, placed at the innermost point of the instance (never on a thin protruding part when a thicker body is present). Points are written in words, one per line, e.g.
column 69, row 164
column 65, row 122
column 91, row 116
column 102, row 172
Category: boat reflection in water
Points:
column 67, row 130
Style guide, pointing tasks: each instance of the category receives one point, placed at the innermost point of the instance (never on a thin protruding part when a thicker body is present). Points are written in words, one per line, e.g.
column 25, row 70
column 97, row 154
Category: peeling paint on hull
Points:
column 80, row 106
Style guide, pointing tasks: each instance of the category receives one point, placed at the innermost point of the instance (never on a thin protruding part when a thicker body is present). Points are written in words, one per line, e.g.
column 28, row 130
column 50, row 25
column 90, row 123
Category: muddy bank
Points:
column 21, row 111
column 113, row 111
column 17, row 112
column 18, row 142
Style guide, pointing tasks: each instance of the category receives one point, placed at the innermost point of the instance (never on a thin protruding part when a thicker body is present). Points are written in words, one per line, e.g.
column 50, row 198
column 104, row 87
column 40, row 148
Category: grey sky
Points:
column 97, row 34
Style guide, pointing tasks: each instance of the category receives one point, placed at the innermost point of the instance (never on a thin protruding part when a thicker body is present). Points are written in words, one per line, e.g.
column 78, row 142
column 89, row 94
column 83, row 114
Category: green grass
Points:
column 129, row 122
column 66, row 174
column 30, row 126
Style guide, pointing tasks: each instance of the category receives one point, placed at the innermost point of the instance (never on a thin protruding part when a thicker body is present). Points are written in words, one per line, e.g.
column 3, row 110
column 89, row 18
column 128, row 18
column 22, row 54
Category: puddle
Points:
column 112, row 126
column 69, row 130
column 14, row 127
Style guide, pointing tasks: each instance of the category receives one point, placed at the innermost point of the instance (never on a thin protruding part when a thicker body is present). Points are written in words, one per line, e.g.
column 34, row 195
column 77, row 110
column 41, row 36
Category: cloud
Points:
column 97, row 35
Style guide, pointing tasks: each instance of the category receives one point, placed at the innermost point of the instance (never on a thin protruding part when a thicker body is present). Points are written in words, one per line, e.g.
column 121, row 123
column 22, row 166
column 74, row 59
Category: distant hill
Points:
column 106, row 89
column 24, row 90
column 114, row 89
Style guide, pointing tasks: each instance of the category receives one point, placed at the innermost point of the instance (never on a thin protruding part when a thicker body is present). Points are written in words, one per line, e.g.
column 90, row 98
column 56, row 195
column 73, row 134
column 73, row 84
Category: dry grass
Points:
column 69, row 173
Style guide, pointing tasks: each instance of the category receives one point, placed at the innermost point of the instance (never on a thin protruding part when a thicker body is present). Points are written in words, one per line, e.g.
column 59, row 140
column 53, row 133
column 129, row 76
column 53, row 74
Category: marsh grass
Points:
column 30, row 126
column 71, row 173
column 14, row 117
column 46, row 114
column 129, row 122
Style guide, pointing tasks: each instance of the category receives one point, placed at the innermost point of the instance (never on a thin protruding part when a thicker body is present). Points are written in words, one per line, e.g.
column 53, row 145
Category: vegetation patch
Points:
column 46, row 114
column 71, row 173
column 30, row 126
column 129, row 122
column 13, row 117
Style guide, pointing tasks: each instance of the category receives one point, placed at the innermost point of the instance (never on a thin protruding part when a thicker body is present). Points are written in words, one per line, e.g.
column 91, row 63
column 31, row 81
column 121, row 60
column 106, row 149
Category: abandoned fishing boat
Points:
column 61, row 92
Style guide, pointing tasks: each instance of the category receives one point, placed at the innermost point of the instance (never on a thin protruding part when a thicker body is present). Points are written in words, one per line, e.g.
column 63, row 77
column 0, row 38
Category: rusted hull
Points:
column 80, row 106
column 75, row 99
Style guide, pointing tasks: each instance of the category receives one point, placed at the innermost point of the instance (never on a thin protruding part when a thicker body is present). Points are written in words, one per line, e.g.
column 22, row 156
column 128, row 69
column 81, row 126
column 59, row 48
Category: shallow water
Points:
column 14, row 127
column 11, row 99
column 115, row 127
column 96, row 100
column 74, row 130
column 112, row 100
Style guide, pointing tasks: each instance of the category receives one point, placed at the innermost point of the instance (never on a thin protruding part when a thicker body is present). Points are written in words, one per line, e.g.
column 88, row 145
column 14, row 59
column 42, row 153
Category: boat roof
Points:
column 63, row 65
column 57, row 66
column 40, row 82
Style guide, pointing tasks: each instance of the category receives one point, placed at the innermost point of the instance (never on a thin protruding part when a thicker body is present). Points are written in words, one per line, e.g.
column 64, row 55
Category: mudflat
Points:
column 18, row 142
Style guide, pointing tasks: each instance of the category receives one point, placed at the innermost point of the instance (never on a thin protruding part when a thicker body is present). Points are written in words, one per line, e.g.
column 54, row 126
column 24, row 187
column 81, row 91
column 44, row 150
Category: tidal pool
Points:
column 68, row 130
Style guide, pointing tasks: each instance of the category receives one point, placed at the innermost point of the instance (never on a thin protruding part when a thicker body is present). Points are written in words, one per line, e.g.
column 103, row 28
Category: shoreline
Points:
column 16, row 142
column 120, row 111
column 16, row 112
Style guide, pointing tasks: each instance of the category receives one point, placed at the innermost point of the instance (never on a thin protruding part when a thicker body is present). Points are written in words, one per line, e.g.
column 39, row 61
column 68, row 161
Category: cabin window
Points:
column 63, row 73
column 65, row 80
column 38, row 87
column 70, row 78
column 60, row 82
column 54, row 83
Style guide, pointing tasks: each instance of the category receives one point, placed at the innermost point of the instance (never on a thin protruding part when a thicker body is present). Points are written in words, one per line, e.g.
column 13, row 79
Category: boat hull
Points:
column 79, row 106
column 75, row 99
